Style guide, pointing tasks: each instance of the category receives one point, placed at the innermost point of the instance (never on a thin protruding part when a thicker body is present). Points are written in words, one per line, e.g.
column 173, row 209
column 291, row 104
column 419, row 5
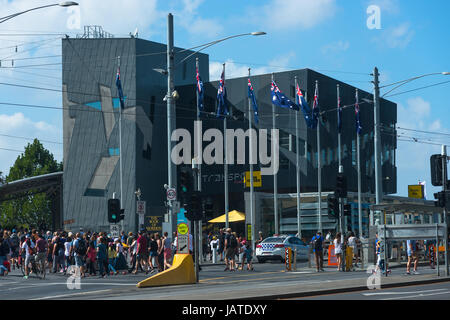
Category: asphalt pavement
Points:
column 267, row 281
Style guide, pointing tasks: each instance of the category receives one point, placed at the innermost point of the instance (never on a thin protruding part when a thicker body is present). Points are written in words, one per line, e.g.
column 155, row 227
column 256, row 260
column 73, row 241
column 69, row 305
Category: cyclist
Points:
column 41, row 252
column 28, row 249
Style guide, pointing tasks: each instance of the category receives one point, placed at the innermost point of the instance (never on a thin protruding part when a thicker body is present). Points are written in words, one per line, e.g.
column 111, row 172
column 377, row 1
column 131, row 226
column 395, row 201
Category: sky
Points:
column 342, row 39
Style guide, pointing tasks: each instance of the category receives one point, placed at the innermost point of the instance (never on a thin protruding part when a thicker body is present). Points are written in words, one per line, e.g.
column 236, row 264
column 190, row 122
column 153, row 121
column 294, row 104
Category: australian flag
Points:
column 199, row 93
column 251, row 95
column 119, row 89
column 279, row 99
column 222, row 109
column 357, row 111
column 301, row 101
column 315, row 110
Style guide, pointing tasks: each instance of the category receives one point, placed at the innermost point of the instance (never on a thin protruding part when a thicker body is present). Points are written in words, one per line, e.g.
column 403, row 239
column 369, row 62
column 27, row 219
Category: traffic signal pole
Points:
column 444, row 188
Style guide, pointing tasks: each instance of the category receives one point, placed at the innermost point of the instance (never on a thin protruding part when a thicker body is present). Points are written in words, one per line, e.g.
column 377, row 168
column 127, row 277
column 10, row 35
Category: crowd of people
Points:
column 233, row 249
column 91, row 252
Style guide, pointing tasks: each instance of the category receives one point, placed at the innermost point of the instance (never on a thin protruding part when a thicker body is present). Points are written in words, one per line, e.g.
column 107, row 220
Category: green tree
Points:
column 31, row 209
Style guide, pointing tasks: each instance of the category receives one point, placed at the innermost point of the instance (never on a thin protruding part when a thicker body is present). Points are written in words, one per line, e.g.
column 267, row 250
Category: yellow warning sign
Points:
column 183, row 228
column 257, row 181
column 415, row 191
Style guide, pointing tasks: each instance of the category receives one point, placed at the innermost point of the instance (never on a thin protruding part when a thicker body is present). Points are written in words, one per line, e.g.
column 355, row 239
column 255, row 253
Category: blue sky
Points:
column 329, row 36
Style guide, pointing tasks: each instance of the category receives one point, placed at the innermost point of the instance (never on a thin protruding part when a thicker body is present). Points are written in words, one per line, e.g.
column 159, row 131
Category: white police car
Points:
column 273, row 248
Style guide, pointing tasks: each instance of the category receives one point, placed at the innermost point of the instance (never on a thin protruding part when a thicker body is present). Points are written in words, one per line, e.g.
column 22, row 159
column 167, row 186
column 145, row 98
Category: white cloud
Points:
column 14, row 128
column 396, row 37
column 290, row 14
column 336, row 47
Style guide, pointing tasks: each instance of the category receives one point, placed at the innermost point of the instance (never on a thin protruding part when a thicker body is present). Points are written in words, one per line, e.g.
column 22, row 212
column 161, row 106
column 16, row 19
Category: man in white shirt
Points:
column 28, row 247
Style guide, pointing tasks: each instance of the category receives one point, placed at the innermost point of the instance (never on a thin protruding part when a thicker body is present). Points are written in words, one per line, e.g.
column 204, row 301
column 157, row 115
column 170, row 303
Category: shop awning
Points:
column 233, row 216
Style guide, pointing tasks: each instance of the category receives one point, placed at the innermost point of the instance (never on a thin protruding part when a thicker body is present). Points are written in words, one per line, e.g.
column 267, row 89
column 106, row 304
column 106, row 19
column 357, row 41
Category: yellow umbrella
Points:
column 233, row 216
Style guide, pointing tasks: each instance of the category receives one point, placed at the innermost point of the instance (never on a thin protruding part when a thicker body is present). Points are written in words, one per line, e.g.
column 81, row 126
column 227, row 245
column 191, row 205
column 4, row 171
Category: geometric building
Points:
column 91, row 138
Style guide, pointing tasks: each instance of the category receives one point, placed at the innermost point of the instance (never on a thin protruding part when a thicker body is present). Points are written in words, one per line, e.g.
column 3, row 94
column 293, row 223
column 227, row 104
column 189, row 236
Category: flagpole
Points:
column 297, row 155
column 359, row 171
column 275, row 180
column 252, row 213
column 339, row 129
column 319, row 165
column 120, row 149
column 225, row 169
column 199, row 162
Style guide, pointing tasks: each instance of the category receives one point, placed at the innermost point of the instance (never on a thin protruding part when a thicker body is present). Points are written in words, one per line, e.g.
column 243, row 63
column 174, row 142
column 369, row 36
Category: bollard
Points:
column 295, row 260
column 214, row 255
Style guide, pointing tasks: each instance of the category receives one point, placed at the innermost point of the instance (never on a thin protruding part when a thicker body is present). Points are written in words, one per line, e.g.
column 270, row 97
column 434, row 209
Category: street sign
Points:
column 176, row 206
column 140, row 207
column 249, row 232
column 114, row 230
column 415, row 191
column 257, row 181
column 183, row 243
column 183, row 229
column 171, row 194
column 141, row 219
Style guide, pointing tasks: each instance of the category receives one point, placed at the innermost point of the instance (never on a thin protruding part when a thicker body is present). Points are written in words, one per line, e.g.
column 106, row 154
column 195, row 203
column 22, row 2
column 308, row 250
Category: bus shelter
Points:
column 391, row 231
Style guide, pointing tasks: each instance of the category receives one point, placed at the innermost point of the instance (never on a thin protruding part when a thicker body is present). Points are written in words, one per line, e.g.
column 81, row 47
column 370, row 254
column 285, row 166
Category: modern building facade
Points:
column 91, row 135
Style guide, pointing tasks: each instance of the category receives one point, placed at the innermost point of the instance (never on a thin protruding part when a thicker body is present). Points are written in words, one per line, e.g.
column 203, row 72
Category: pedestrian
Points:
column 153, row 253
column 353, row 243
column 102, row 256
column 91, row 258
column 260, row 238
column 4, row 252
column 79, row 248
column 112, row 254
column 241, row 248
column 230, row 250
column 120, row 263
column 58, row 254
column 167, row 244
column 214, row 244
column 133, row 254
column 317, row 246
column 14, row 242
column 160, row 258
column 141, row 252
column 248, row 253
column 28, row 248
column 338, row 250
column 413, row 256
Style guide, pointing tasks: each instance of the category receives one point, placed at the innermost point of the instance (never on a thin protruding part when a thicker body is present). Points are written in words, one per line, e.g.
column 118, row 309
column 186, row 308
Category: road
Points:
column 435, row 291
column 268, row 281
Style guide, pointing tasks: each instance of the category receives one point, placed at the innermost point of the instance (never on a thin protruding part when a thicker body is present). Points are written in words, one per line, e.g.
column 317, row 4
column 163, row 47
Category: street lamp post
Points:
column 61, row 4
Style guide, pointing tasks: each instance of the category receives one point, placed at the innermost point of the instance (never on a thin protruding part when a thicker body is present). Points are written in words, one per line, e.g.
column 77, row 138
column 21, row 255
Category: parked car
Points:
column 273, row 248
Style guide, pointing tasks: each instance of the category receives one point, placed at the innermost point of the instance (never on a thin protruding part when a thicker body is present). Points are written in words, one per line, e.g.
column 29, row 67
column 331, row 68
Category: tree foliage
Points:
column 31, row 209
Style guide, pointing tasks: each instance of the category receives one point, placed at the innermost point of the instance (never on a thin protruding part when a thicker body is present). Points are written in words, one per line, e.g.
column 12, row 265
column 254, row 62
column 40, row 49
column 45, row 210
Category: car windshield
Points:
column 274, row 240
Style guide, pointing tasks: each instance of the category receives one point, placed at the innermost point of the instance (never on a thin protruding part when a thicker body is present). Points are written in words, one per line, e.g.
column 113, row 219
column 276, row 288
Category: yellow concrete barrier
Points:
column 181, row 272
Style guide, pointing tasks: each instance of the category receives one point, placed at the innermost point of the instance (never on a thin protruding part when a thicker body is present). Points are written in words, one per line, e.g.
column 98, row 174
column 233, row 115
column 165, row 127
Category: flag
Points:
column 119, row 89
column 222, row 109
column 251, row 95
column 301, row 101
column 358, row 121
column 279, row 99
column 339, row 115
column 315, row 108
column 199, row 93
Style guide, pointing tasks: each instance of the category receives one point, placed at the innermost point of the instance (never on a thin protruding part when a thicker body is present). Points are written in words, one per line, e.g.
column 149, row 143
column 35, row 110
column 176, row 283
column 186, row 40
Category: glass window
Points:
column 274, row 240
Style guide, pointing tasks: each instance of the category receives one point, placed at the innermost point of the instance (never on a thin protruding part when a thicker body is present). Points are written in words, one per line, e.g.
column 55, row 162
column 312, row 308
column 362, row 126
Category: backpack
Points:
column 81, row 248
column 317, row 243
column 233, row 242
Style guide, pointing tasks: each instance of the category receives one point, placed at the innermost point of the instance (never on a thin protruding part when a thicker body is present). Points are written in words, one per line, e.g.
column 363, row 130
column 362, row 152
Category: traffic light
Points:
column 333, row 207
column 185, row 185
column 347, row 210
column 209, row 209
column 341, row 186
column 442, row 199
column 114, row 211
column 122, row 214
column 436, row 170
column 196, row 206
